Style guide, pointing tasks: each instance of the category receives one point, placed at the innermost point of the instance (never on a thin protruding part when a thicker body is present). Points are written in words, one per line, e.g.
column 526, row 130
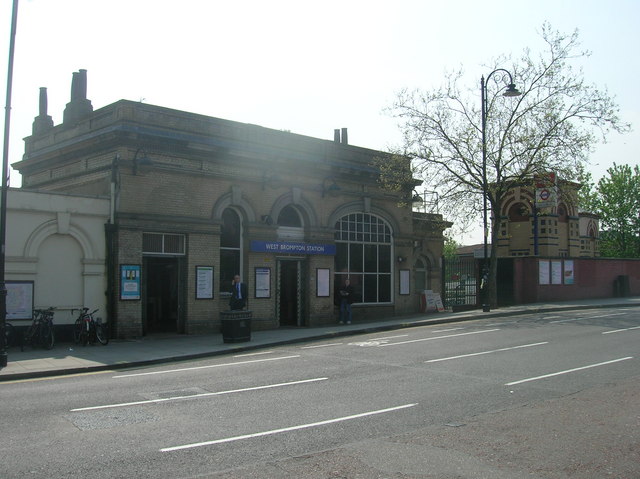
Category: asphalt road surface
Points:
column 535, row 396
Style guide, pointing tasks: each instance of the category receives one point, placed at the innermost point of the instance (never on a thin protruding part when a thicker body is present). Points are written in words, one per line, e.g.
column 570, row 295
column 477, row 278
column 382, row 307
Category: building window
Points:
column 289, row 217
column 230, row 248
column 163, row 243
column 421, row 276
column 363, row 254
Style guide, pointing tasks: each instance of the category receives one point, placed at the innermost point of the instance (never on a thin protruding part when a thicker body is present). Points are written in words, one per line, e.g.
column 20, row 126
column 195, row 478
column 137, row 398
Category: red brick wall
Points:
column 593, row 278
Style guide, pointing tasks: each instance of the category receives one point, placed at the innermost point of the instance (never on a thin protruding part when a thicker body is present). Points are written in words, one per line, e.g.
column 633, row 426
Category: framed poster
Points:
column 322, row 282
column 262, row 282
column 19, row 299
column 556, row 272
column 204, row 282
column 129, row 282
column 568, row 271
column 543, row 272
column 404, row 281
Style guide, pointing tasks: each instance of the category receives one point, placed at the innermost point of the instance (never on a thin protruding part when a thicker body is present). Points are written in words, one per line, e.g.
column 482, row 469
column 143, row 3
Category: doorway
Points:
column 162, row 295
column 290, row 294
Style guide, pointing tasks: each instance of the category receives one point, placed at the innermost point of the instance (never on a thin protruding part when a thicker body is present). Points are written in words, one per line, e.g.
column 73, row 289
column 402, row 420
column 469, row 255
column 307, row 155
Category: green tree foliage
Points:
column 450, row 247
column 617, row 202
column 552, row 126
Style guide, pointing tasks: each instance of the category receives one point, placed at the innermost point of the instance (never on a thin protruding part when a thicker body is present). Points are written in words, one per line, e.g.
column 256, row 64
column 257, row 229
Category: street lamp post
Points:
column 511, row 90
column 5, row 187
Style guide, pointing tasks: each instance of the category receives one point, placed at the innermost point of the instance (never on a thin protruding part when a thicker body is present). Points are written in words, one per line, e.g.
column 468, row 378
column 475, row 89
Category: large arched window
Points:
column 363, row 254
column 230, row 247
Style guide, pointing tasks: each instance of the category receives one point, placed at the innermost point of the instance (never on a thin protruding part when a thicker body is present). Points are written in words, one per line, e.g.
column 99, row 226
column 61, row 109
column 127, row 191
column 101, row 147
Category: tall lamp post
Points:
column 511, row 90
column 5, row 187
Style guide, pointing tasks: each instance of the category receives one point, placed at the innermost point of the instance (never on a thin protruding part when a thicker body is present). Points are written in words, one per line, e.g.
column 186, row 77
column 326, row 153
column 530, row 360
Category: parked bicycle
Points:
column 88, row 330
column 40, row 332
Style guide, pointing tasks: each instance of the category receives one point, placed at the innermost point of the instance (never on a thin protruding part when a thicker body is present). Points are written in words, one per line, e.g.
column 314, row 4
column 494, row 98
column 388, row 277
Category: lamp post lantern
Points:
column 511, row 90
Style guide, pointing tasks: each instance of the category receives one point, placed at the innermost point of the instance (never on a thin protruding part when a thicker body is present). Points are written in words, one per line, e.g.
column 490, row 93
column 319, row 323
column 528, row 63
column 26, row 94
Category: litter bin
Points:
column 235, row 326
column 623, row 281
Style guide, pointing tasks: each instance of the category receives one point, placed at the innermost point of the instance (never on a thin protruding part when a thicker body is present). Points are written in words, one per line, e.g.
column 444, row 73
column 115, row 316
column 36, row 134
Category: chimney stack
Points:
column 43, row 122
column 79, row 107
column 340, row 136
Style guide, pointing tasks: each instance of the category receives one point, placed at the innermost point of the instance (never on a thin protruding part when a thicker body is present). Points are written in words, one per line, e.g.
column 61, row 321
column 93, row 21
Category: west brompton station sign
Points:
column 292, row 248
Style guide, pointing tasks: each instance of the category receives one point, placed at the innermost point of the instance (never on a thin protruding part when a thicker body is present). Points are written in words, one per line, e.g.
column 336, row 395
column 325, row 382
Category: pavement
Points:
column 68, row 358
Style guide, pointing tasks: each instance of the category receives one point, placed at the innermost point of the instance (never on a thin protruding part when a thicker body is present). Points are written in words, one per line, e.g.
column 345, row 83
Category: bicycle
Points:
column 40, row 332
column 88, row 330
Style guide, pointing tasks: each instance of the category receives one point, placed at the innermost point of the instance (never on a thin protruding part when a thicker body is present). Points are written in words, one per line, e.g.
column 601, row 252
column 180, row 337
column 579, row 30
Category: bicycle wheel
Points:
column 31, row 335
column 77, row 328
column 80, row 332
column 47, row 339
column 102, row 333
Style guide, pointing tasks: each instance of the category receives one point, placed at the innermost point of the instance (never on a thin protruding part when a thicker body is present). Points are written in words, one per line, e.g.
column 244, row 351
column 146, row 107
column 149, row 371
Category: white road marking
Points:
column 196, row 396
column 486, row 352
column 392, row 337
column 203, row 367
column 445, row 330
column 252, row 354
column 370, row 343
column 588, row 317
column 567, row 371
column 620, row 330
column 440, row 337
column 321, row 346
column 286, row 429
column 567, row 320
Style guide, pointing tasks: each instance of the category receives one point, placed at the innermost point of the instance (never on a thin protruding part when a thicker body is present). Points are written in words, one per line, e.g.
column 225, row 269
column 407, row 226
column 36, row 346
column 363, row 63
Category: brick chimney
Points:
column 79, row 107
column 43, row 122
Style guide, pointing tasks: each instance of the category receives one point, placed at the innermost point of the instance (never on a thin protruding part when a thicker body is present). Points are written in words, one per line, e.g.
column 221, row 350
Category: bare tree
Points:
column 551, row 126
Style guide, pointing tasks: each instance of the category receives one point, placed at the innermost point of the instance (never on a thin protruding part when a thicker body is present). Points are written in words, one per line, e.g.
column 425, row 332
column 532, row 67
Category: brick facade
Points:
column 175, row 173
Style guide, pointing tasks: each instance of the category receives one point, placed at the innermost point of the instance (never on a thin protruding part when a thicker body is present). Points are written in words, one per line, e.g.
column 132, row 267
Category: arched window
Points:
column 518, row 212
column 421, row 281
column 230, row 247
column 563, row 217
column 363, row 254
column 289, row 216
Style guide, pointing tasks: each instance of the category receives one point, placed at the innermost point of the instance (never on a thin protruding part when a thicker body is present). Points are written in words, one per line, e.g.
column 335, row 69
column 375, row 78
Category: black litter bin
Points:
column 623, row 281
column 235, row 326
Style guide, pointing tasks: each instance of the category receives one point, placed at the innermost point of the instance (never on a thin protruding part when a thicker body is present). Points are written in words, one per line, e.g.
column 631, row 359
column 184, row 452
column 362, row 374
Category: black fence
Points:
column 460, row 283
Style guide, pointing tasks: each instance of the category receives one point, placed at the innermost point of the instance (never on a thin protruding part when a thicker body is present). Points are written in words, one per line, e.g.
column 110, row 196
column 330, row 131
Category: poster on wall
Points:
column 19, row 299
column 404, row 281
column 543, row 272
column 263, row 282
column 568, row 272
column 129, row 281
column 556, row 272
column 322, row 282
column 204, row 282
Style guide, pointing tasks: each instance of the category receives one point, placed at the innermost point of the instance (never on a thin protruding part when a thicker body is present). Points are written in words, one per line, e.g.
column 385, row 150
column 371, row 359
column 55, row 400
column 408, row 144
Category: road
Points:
column 535, row 396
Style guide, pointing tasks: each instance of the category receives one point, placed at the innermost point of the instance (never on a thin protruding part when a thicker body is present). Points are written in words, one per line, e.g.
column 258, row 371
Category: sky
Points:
column 303, row 66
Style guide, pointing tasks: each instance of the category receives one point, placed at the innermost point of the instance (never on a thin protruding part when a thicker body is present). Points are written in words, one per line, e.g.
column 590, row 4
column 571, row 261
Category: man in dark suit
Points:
column 239, row 294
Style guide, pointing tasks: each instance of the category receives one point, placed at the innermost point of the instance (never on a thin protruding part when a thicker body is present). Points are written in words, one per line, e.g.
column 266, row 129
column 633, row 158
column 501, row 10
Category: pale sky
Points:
column 308, row 67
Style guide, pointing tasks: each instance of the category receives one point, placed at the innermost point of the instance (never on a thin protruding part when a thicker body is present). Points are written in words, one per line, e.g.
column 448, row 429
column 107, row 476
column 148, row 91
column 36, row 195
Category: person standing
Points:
column 345, row 298
column 239, row 293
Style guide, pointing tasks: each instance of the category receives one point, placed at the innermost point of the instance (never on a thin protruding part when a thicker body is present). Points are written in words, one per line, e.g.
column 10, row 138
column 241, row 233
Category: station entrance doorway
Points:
column 290, row 292
column 163, row 294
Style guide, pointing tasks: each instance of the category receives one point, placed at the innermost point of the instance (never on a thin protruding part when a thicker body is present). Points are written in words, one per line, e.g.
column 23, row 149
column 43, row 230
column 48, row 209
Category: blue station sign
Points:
column 292, row 248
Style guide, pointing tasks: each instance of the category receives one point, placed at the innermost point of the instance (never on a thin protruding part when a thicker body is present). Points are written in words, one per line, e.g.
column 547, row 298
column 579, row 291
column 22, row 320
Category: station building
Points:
column 194, row 200
column 544, row 220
